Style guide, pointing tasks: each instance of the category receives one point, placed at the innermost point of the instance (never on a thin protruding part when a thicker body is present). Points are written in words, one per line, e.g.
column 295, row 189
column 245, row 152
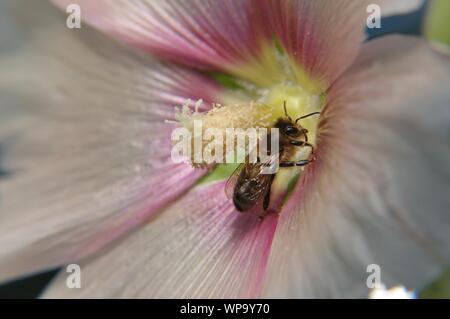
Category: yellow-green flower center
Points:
column 263, row 112
column 299, row 102
column 269, row 82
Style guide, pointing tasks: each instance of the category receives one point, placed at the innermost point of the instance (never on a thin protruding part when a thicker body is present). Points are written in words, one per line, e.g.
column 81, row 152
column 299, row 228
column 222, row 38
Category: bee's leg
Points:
column 302, row 143
column 267, row 195
column 305, row 134
column 266, row 202
column 297, row 163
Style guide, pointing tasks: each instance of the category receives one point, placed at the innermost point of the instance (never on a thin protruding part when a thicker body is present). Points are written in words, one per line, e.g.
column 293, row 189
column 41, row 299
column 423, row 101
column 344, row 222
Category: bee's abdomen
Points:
column 244, row 196
column 241, row 202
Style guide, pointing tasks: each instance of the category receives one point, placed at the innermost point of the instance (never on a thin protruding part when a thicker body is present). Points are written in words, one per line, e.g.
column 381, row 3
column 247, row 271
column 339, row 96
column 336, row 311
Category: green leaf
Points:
column 437, row 22
column 222, row 171
column 226, row 80
column 439, row 288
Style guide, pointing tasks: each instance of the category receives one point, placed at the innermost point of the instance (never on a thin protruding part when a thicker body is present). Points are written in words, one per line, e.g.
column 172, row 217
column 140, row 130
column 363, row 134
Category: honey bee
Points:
column 247, row 186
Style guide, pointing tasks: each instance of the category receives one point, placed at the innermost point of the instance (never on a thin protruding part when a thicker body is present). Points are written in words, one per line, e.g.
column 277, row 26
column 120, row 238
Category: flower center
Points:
column 259, row 89
column 299, row 102
column 262, row 113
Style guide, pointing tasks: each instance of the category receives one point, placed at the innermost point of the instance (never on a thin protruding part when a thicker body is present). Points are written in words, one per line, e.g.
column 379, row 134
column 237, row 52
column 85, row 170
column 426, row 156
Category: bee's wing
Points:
column 263, row 181
column 262, row 175
column 231, row 183
column 270, row 165
column 254, row 171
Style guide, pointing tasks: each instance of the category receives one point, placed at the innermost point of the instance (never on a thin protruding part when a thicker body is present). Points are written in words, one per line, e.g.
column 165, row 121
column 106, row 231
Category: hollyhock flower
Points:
column 89, row 179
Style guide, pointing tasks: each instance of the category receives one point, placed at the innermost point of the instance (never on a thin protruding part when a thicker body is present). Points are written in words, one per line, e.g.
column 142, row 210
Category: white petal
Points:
column 378, row 192
column 83, row 142
column 200, row 247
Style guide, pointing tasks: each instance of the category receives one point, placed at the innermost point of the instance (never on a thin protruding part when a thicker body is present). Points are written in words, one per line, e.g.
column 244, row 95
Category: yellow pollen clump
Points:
column 222, row 117
column 250, row 115
column 255, row 114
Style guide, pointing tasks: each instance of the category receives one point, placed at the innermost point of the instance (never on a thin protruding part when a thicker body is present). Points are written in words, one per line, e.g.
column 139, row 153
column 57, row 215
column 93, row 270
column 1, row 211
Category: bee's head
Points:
column 290, row 128
column 295, row 130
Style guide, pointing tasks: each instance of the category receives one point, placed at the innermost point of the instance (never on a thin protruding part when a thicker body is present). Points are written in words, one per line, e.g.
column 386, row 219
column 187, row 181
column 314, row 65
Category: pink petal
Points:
column 85, row 143
column 322, row 36
column 378, row 193
column 198, row 33
column 199, row 247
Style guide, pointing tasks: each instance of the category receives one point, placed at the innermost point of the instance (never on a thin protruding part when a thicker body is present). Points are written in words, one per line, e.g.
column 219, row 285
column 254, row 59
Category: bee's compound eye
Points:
column 291, row 130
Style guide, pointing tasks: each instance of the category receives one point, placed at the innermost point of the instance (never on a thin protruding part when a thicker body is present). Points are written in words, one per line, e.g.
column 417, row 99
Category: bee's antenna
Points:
column 285, row 111
column 305, row 116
